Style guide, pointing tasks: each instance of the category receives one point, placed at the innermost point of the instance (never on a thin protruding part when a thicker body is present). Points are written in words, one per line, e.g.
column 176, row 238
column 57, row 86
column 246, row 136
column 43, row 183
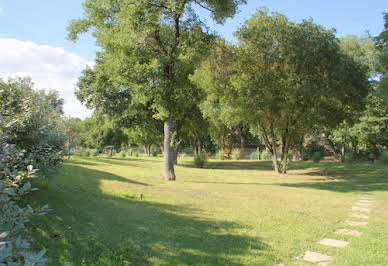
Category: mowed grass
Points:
column 231, row 213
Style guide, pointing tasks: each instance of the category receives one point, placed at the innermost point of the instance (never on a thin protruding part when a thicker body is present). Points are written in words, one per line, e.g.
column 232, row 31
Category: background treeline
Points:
column 319, row 95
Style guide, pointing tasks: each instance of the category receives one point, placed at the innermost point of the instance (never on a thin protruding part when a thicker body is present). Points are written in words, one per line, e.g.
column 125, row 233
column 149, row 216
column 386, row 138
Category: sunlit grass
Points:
column 228, row 213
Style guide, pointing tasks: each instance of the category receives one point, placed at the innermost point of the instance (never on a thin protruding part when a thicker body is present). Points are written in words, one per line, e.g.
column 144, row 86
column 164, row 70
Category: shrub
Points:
column 14, row 174
column 316, row 157
column 384, row 157
column 349, row 157
column 136, row 153
column 265, row 155
column 236, row 154
column 122, row 154
column 183, row 155
column 220, row 155
column 200, row 160
column 94, row 152
column 86, row 152
column 155, row 152
column 254, row 155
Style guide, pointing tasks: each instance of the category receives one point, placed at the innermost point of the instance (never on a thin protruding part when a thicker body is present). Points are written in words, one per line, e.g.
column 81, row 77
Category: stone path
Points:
column 360, row 210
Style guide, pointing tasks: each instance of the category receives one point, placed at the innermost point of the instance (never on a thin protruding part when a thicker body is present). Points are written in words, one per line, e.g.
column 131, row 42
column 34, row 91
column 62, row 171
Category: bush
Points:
column 265, row 155
column 13, row 178
column 316, row 157
column 94, row 152
column 220, row 155
column 183, row 155
column 86, row 152
column 236, row 154
column 122, row 154
column 349, row 157
column 200, row 160
column 254, row 155
column 384, row 157
column 155, row 152
column 136, row 153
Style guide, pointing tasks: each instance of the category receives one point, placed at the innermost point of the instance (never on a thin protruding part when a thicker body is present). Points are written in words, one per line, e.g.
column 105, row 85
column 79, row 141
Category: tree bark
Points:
column 168, row 167
column 274, row 155
column 285, row 154
column 242, row 145
column 343, row 152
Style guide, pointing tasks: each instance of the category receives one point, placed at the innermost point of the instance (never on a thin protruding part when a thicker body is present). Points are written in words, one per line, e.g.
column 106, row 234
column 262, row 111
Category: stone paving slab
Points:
column 315, row 257
column 348, row 232
column 359, row 215
column 354, row 223
column 365, row 201
column 363, row 204
column 360, row 209
column 333, row 243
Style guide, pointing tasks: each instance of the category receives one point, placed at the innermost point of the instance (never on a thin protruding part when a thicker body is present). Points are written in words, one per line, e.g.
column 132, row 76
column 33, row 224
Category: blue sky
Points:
column 41, row 25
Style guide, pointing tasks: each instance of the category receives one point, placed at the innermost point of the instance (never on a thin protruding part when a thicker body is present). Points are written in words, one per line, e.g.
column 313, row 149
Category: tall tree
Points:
column 286, row 78
column 148, row 50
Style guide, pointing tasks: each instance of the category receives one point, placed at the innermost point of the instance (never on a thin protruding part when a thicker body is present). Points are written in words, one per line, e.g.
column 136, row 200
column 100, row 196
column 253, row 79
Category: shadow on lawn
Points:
column 234, row 165
column 344, row 177
column 100, row 229
column 335, row 176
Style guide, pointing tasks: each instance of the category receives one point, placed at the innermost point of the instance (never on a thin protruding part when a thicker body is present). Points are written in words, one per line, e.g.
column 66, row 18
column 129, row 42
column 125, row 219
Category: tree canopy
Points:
column 149, row 48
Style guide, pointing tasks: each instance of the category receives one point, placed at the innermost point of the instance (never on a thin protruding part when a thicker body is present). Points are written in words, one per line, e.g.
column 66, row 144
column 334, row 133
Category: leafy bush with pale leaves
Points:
column 14, row 175
column 29, row 139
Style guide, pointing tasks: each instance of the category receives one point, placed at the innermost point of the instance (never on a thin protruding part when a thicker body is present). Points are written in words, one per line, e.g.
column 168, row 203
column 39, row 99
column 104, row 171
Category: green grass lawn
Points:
column 231, row 213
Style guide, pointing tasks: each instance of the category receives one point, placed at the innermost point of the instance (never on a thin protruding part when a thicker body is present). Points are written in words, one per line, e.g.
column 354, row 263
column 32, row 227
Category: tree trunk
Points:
column 149, row 150
column 285, row 154
column 145, row 150
column 343, row 152
column 195, row 149
column 199, row 146
column 274, row 155
column 242, row 145
column 168, row 167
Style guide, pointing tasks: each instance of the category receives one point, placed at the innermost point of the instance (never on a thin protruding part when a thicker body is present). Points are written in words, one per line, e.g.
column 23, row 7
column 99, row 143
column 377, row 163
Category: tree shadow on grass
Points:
column 233, row 165
column 78, row 168
column 344, row 177
column 100, row 229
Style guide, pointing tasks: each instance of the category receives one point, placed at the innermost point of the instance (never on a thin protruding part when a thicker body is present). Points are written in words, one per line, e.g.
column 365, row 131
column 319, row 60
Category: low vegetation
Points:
column 113, row 211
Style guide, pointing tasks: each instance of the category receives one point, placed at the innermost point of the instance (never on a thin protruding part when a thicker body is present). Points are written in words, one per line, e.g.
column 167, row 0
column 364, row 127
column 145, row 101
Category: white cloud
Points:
column 49, row 67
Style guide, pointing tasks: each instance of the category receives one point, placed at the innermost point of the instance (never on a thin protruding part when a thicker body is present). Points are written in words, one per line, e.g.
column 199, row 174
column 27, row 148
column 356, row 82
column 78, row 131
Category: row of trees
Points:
column 160, row 68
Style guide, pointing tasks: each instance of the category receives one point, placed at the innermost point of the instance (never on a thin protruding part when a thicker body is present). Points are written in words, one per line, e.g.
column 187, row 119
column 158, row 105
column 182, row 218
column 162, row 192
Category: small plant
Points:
column 220, row 155
column 94, row 152
column 122, row 154
column 265, row 155
column 200, row 160
column 155, row 152
column 349, row 157
column 236, row 154
column 86, row 152
column 136, row 153
column 183, row 155
column 254, row 155
column 384, row 157
column 316, row 157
